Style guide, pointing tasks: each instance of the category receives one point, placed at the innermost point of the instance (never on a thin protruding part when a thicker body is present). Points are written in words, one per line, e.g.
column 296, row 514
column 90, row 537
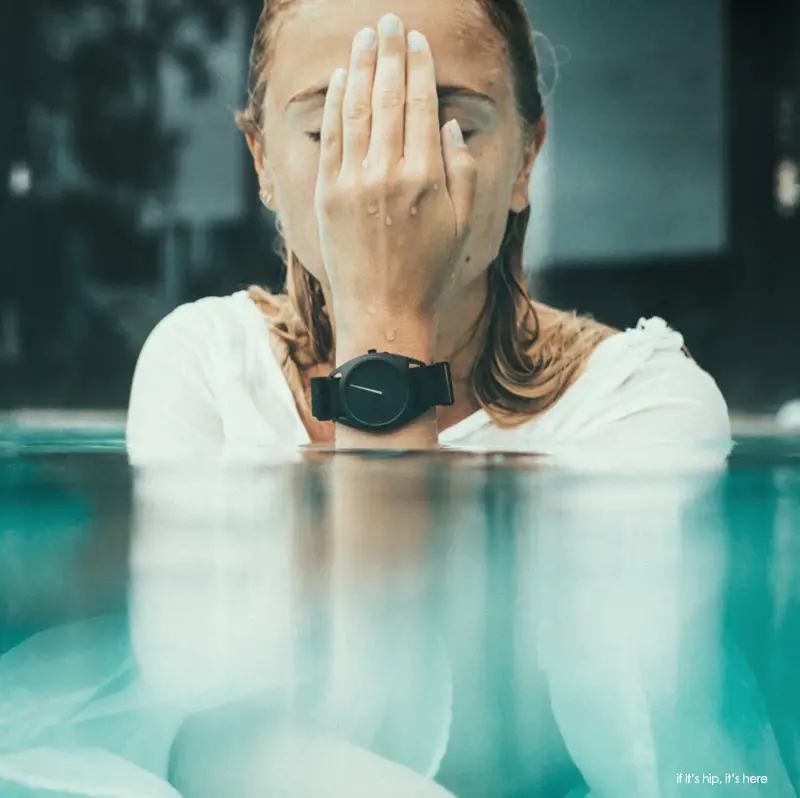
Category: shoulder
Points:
column 639, row 389
column 196, row 348
column 644, row 377
column 212, row 332
column 196, row 324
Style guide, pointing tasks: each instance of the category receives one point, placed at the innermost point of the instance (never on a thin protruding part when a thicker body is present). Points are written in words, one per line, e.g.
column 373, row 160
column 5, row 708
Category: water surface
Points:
column 449, row 624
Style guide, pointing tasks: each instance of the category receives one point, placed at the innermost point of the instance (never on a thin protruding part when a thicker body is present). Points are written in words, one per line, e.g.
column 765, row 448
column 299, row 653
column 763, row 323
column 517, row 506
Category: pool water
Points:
column 427, row 625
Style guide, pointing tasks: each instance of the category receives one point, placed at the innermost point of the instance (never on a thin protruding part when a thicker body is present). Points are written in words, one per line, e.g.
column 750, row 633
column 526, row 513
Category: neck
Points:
column 459, row 342
column 460, row 339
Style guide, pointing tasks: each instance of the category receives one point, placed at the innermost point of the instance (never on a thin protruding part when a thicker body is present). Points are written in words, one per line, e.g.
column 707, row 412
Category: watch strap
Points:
column 432, row 385
column 324, row 400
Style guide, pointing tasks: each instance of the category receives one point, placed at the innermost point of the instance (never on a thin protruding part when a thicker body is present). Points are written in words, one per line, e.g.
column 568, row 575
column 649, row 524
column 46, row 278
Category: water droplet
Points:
column 388, row 221
column 413, row 210
column 391, row 334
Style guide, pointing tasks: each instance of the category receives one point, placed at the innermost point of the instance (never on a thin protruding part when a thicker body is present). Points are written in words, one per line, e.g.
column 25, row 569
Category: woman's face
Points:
column 475, row 87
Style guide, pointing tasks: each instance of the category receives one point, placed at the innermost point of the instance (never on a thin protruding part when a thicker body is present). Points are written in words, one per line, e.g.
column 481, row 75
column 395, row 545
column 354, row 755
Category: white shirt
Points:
column 209, row 383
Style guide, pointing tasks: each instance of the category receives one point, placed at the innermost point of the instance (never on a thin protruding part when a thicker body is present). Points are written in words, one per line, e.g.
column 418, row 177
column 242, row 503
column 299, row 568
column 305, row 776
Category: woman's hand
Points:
column 395, row 193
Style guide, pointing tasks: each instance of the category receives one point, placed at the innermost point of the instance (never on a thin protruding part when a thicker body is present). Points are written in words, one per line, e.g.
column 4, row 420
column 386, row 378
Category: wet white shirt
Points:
column 208, row 383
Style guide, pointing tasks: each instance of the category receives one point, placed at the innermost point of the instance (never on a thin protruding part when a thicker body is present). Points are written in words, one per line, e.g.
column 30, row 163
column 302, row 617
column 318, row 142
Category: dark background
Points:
column 114, row 208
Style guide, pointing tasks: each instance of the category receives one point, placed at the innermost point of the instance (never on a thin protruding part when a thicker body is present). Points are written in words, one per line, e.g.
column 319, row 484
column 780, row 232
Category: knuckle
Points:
column 365, row 59
column 334, row 199
column 337, row 197
column 466, row 164
column 329, row 138
column 357, row 111
column 394, row 187
column 423, row 176
column 471, row 168
column 347, row 187
column 422, row 103
column 326, row 201
column 390, row 98
column 385, row 186
column 376, row 183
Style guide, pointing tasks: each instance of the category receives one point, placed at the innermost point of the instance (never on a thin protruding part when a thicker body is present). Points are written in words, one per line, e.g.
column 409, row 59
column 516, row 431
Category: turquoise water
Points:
column 419, row 625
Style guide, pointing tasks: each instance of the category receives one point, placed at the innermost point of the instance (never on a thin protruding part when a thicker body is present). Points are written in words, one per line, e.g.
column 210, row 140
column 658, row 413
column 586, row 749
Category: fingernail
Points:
column 339, row 77
column 454, row 131
column 390, row 25
column 366, row 39
column 417, row 42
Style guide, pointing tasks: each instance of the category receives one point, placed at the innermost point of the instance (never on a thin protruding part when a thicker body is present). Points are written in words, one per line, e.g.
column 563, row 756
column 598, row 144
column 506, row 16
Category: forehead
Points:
column 315, row 37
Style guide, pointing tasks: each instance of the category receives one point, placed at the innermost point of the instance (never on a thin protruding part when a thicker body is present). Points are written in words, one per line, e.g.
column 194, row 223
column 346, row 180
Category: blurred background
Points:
column 669, row 185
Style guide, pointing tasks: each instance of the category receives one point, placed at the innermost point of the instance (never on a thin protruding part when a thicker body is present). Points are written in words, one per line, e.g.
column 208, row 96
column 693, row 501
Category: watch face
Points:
column 376, row 392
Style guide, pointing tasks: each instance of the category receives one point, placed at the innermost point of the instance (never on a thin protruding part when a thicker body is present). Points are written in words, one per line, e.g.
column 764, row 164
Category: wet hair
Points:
column 524, row 365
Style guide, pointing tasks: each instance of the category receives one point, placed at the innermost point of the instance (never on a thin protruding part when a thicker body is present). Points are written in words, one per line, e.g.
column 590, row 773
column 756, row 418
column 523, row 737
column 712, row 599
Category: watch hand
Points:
column 371, row 390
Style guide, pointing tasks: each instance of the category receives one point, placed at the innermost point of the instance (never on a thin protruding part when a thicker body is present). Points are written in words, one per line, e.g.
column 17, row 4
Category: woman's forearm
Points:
column 411, row 337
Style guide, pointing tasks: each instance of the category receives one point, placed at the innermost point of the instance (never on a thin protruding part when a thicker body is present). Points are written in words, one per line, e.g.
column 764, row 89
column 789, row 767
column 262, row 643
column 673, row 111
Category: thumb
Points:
column 462, row 174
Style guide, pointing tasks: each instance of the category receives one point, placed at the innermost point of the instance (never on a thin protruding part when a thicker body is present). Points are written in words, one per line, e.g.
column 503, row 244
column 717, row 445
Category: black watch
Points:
column 380, row 392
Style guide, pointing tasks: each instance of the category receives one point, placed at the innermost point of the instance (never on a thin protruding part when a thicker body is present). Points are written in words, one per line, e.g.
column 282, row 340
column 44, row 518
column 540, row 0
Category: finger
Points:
column 389, row 94
column 357, row 110
column 422, row 139
column 330, row 157
column 462, row 175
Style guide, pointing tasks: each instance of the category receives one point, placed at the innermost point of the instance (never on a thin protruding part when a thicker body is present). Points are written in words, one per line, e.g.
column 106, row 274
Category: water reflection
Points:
column 426, row 625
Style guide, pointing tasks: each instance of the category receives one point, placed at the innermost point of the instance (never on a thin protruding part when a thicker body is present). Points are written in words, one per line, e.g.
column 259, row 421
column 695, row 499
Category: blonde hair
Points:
column 523, row 366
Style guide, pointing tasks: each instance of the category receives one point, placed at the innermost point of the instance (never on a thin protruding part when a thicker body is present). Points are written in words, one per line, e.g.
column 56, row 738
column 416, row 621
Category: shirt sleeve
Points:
column 172, row 409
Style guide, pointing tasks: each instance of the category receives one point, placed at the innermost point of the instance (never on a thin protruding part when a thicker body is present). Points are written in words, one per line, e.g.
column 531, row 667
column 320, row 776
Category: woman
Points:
column 404, row 235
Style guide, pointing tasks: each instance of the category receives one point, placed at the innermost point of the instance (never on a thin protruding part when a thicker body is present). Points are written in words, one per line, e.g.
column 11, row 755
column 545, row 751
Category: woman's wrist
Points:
column 412, row 337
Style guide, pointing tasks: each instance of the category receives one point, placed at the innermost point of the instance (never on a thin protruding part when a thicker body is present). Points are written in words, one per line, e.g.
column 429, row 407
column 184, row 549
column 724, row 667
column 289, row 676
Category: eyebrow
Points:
column 445, row 94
